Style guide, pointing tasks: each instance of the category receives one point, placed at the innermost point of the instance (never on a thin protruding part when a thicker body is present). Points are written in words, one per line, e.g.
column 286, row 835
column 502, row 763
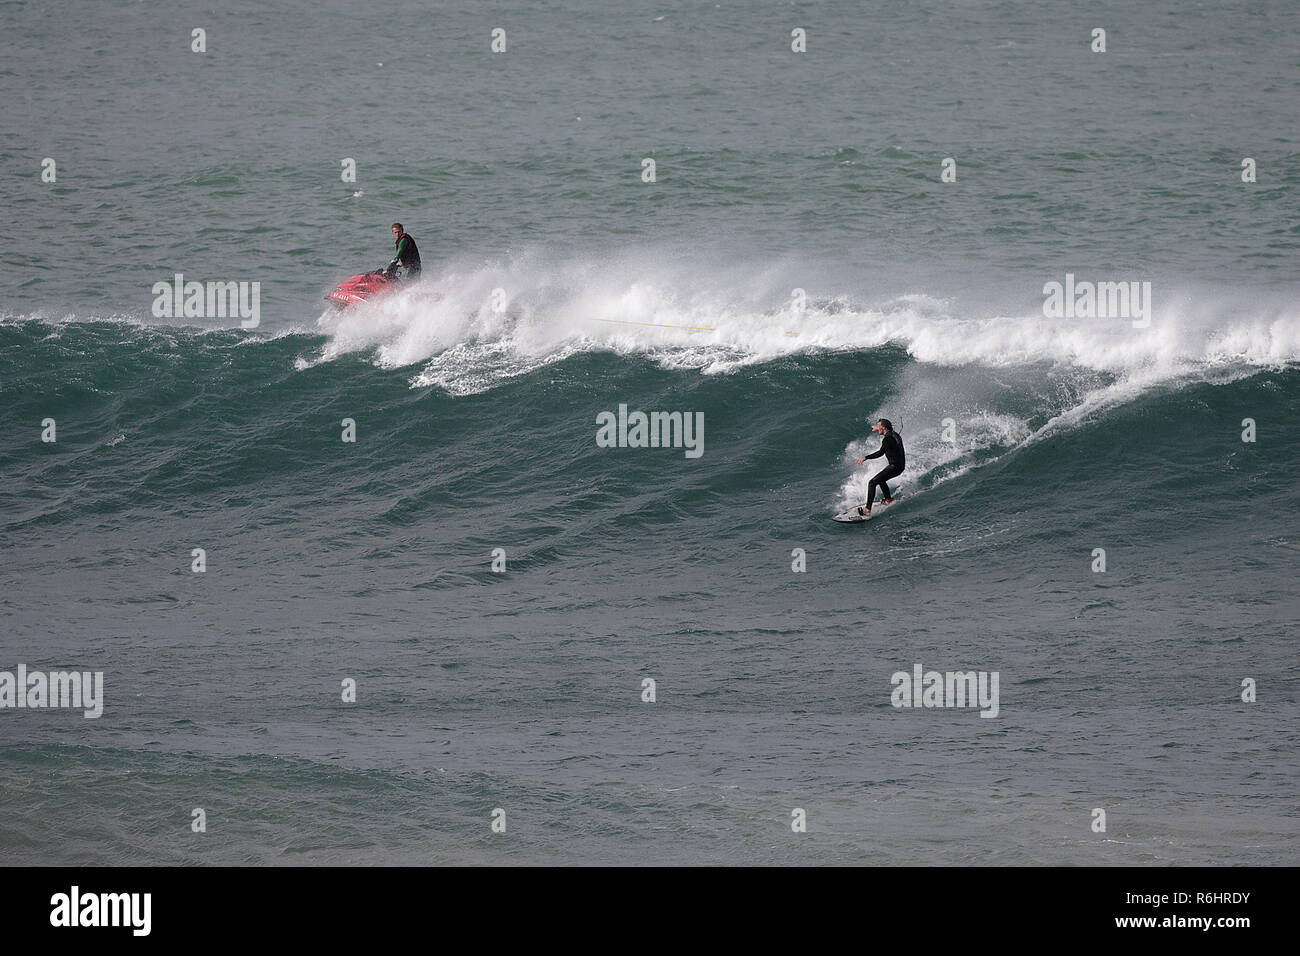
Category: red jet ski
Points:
column 362, row 288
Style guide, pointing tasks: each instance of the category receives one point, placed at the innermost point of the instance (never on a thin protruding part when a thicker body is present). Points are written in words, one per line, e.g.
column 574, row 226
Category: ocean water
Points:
column 568, row 287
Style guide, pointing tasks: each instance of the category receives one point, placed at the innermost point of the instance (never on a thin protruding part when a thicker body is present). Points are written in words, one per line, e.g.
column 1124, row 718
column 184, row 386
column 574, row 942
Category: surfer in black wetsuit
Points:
column 408, row 256
column 891, row 446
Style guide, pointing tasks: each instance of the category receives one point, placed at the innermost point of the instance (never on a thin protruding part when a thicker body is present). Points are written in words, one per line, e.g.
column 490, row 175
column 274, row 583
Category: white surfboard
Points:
column 852, row 517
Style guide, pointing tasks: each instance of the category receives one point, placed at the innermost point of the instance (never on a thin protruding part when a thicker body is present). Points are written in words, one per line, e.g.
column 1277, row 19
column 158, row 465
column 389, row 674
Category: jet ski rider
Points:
column 408, row 256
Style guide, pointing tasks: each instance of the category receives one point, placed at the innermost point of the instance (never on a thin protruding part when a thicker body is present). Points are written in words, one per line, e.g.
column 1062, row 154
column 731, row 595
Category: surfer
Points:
column 891, row 446
column 408, row 256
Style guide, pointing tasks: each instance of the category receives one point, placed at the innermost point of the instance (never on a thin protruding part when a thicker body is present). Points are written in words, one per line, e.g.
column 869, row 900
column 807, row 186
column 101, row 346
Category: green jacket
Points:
column 407, row 256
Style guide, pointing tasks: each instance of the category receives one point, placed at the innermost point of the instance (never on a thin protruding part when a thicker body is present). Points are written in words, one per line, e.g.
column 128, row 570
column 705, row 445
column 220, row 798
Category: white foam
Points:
column 687, row 315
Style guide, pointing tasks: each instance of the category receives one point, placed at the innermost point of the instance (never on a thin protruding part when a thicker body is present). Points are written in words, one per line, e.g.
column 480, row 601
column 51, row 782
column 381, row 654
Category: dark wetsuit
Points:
column 891, row 446
column 408, row 257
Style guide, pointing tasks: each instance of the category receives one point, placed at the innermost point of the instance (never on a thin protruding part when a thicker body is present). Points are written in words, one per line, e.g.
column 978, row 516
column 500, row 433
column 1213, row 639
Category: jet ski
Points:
column 362, row 288
column 371, row 285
